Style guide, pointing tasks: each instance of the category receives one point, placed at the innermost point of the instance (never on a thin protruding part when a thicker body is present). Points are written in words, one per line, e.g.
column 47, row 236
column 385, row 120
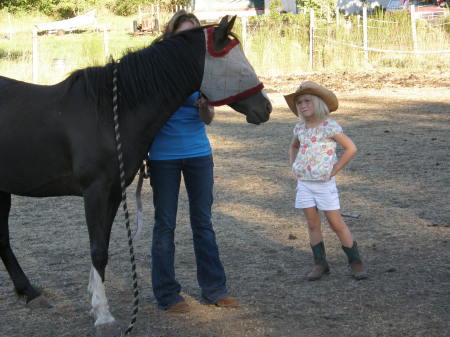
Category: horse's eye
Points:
column 245, row 71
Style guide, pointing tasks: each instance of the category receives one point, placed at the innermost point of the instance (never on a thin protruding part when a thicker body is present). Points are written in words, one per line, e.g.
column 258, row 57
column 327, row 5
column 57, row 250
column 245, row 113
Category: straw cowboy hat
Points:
column 312, row 88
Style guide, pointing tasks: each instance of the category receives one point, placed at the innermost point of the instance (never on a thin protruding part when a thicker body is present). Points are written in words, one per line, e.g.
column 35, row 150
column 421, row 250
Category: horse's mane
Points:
column 161, row 70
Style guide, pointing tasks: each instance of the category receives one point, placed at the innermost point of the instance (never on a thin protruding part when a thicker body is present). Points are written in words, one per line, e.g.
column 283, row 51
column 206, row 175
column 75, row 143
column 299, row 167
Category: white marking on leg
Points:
column 100, row 308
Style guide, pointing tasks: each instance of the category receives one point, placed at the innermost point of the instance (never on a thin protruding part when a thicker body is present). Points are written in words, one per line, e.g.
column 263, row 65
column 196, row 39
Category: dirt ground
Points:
column 399, row 184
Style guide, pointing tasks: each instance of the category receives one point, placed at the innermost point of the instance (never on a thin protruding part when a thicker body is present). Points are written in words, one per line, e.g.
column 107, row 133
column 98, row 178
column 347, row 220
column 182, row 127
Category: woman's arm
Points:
column 293, row 149
column 349, row 151
column 206, row 110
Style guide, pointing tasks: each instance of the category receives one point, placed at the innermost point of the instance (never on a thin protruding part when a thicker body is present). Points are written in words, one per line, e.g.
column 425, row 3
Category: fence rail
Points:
column 390, row 51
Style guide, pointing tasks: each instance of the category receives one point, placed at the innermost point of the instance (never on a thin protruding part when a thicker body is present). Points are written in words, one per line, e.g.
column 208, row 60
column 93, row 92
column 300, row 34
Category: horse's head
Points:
column 229, row 78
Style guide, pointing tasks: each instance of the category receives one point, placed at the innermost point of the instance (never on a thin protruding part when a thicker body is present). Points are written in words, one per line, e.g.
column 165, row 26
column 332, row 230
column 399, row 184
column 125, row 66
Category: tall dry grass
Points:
column 280, row 45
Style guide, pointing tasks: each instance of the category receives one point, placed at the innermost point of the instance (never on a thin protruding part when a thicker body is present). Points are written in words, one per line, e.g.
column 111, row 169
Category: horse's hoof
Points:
column 108, row 330
column 40, row 302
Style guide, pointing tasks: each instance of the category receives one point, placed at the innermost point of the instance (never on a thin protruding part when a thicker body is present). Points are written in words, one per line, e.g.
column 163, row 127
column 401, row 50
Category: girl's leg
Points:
column 339, row 227
column 318, row 248
column 314, row 227
column 348, row 245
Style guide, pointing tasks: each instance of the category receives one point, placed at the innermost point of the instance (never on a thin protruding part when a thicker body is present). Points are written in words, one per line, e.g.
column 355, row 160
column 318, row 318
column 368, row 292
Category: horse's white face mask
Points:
column 228, row 76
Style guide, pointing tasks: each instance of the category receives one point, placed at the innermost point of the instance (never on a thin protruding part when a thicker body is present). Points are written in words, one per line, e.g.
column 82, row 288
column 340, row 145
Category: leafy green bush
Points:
column 127, row 7
column 18, row 5
column 55, row 8
column 70, row 8
column 316, row 4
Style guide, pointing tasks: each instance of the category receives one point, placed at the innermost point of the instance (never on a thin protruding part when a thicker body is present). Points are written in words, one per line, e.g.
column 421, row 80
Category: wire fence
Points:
column 351, row 43
column 378, row 50
column 313, row 43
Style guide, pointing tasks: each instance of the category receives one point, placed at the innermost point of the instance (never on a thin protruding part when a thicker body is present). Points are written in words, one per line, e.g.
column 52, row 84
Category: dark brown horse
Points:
column 59, row 140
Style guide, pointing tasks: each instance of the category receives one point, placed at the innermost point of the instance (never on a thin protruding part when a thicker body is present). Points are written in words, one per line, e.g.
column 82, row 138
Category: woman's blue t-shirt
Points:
column 183, row 135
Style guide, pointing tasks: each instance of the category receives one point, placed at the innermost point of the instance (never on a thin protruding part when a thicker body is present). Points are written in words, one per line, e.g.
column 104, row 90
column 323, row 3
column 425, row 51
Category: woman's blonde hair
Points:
column 177, row 19
column 321, row 110
column 175, row 22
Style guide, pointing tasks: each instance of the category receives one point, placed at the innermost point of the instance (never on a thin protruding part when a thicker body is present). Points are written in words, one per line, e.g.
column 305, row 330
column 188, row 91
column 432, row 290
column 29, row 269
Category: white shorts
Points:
column 323, row 195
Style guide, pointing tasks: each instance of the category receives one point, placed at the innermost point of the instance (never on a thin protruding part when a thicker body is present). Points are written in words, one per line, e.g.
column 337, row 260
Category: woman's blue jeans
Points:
column 165, row 177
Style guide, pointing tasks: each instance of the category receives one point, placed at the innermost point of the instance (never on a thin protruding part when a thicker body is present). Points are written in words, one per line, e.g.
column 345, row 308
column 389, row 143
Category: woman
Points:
column 182, row 147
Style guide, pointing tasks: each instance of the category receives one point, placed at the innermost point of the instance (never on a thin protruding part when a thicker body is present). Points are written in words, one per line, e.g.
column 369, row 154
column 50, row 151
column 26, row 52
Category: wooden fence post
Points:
column 10, row 31
column 158, row 18
column 311, row 39
column 365, row 34
column 413, row 27
column 329, row 22
column 106, row 43
column 337, row 18
column 244, row 31
column 35, row 56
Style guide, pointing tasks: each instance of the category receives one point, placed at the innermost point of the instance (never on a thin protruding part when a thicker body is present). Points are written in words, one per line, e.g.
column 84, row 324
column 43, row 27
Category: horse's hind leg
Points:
column 21, row 282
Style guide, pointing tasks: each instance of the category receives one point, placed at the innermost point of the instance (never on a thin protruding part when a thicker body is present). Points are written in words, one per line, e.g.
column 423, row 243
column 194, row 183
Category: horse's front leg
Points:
column 101, row 202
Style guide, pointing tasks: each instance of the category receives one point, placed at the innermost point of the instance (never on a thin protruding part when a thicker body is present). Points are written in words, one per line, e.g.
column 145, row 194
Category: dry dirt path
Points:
column 399, row 183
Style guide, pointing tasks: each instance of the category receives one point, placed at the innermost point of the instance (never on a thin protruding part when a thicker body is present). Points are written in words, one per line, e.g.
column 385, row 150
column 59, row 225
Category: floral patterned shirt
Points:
column 317, row 152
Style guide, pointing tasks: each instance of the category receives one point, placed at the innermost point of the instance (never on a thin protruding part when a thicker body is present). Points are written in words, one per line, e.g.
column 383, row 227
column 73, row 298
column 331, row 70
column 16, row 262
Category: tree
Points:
column 69, row 8
column 62, row 8
column 18, row 5
column 316, row 3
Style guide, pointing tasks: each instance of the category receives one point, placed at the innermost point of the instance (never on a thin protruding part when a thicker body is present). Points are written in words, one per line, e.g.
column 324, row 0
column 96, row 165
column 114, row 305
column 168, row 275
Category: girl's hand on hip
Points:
column 333, row 172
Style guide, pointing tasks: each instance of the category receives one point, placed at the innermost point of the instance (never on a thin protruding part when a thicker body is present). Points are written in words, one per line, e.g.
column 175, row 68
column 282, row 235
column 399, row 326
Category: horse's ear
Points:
column 223, row 21
column 225, row 27
column 231, row 24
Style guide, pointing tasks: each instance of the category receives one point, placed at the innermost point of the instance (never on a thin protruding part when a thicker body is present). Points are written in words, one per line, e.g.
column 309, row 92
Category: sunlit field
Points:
column 275, row 45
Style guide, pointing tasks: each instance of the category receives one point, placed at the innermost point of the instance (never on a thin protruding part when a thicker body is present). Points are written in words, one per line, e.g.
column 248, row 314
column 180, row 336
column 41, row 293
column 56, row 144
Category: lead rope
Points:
column 139, row 210
column 124, row 202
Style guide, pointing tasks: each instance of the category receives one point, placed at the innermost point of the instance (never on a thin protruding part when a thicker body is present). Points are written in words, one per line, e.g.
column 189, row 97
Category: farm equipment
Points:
column 147, row 22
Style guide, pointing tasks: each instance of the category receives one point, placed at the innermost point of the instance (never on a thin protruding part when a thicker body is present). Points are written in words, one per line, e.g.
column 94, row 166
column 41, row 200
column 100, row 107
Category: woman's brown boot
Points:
column 355, row 263
column 320, row 263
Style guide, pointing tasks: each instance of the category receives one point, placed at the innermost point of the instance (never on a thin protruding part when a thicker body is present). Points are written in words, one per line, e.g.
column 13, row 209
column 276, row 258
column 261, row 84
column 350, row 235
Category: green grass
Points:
column 78, row 50
column 275, row 45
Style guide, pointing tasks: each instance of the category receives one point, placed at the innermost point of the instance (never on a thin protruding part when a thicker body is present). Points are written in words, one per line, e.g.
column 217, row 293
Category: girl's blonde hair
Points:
column 321, row 110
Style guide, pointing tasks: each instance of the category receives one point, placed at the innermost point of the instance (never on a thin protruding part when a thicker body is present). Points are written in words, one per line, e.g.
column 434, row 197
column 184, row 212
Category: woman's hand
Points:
column 206, row 110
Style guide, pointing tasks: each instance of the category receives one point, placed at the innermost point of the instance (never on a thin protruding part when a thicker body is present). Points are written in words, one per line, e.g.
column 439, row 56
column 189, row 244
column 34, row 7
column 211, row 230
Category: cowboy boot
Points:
column 320, row 263
column 354, row 262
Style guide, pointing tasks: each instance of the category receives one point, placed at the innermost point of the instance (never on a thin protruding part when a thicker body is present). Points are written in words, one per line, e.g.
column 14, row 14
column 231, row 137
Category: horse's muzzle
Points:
column 258, row 116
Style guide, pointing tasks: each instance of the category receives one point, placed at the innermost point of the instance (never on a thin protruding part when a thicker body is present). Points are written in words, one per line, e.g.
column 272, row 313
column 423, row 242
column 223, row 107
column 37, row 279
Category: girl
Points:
column 314, row 163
